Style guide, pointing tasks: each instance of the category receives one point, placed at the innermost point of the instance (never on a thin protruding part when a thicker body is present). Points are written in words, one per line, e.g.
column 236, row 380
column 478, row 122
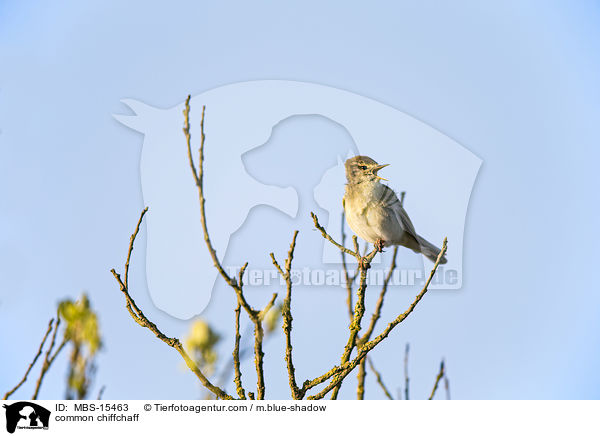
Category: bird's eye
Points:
column 362, row 167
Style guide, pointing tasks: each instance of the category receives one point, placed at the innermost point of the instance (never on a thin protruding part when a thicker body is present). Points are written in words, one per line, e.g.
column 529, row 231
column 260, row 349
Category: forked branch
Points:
column 338, row 373
column 139, row 317
column 256, row 316
column 49, row 358
column 287, row 316
column 29, row 368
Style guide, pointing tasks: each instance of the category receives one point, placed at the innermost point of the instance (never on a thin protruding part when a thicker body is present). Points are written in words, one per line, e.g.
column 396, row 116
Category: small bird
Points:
column 373, row 210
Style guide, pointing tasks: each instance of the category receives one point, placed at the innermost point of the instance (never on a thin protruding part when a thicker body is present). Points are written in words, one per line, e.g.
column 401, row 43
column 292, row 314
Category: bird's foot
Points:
column 379, row 243
column 365, row 263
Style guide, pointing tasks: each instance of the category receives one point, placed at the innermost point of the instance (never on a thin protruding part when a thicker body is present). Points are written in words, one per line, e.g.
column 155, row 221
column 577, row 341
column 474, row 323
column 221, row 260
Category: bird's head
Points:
column 362, row 169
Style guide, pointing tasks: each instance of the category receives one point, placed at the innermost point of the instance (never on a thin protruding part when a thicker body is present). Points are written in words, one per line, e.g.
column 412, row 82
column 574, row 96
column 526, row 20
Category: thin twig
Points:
column 49, row 358
column 263, row 312
column 379, row 379
column 228, row 367
column 46, row 367
column 406, row 379
column 101, row 392
column 256, row 317
column 437, row 380
column 350, row 279
column 287, row 316
column 142, row 320
column 188, row 137
column 324, row 233
column 198, row 178
column 447, row 386
column 236, row 355
column 39, row 352
column 130, row 301
column 237, row 286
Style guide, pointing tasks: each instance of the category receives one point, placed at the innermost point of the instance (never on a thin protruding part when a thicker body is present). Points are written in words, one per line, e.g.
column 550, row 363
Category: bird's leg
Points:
column 379, row 243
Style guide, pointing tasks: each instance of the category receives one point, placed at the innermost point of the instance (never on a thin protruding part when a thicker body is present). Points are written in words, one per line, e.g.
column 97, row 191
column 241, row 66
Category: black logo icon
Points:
column 24, row 414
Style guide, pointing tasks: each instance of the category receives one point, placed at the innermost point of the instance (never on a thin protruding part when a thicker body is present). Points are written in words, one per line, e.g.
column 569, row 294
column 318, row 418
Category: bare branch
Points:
column 309, row 384
column 361, row 376
column 58, row 350
column 376, row 315
column 379, row 304
column 406, row 379
column 255, row 316
column 287, row 317
column 447, row 385
column 258, row 360
column 276, row 264
column 339, row 373
column 360, row 390
column 348, row 278
column 236, row 355
column 437, row 380
column 324, row 233
column 39, row 352
column 355, row 243
column 141, row 319
column 188, row 137
column 355, row 326
column 379, row 379
column 237, row 287
column 198, row 178
column 49, row 358
column 359, row 311
column 263, row 312
column 100, row 393
column 131, row 241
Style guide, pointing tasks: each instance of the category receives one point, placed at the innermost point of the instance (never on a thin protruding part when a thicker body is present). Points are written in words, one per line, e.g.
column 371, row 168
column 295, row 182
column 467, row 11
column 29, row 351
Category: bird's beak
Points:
column 377, row 168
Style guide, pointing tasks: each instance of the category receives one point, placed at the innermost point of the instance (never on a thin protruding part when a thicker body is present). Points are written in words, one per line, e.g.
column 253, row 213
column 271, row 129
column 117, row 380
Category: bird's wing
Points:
column 390, row 200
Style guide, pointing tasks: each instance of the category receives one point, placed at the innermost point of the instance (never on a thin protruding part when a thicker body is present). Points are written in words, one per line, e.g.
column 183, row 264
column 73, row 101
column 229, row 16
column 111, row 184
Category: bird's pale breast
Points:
column 364, row 212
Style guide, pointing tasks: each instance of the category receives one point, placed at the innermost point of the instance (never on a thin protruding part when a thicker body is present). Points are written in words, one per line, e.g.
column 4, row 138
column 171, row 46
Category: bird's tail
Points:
column 430, row 251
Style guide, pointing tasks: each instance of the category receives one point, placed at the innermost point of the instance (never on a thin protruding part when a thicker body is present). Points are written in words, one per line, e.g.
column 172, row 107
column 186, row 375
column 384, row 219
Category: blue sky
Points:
column 514, row 82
